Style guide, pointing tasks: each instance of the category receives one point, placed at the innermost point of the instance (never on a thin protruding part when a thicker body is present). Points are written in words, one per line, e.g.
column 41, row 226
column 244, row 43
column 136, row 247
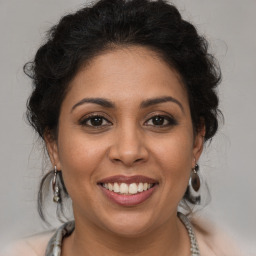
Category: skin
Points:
column 128, row 142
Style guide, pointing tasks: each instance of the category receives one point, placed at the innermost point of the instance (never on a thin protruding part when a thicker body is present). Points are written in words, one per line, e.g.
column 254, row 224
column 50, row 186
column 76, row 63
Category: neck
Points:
column 169, row 239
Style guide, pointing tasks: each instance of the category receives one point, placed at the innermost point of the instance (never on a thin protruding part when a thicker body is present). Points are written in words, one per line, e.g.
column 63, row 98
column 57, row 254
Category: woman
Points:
column 124, row 99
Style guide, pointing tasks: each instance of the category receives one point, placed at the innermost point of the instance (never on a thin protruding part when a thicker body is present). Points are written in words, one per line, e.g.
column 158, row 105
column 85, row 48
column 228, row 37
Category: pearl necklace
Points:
column 54, row 245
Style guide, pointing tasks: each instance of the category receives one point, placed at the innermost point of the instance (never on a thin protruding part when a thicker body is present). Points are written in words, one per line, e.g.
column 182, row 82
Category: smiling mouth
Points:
column 127, row 185
column 127, row 189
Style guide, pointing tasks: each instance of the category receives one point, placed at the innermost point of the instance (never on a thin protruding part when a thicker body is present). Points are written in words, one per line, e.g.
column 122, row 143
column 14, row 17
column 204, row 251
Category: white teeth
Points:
column 116, row 187
column 124, row 188
column 133, row 189
column 110, row 186
column 140, row 187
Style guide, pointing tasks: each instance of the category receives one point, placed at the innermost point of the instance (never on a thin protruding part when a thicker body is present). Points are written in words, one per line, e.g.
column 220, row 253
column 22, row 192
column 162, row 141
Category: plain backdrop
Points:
column 228, row 164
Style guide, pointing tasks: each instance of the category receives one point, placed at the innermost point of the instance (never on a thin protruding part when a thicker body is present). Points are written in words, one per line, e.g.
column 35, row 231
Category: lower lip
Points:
column 128, row 200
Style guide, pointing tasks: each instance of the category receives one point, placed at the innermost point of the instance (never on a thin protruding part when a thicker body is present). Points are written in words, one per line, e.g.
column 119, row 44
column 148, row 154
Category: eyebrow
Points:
column 154, row 101
column 100, row 101
column 144, row 104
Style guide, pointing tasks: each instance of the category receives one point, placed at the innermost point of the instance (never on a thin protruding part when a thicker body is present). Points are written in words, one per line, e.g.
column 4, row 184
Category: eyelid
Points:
column 172, row 121
column 87, row 117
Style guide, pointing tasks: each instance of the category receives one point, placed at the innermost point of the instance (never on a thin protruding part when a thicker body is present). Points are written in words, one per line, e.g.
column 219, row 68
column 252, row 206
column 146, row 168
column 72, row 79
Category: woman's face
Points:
column 125, row 124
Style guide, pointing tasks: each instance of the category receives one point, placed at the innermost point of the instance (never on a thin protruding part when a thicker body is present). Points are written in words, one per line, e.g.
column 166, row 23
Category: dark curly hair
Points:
column 106, row 25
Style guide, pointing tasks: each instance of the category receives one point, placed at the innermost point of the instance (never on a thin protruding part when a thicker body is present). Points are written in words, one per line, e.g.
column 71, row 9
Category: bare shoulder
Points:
column 213, row 241
column 30, row 246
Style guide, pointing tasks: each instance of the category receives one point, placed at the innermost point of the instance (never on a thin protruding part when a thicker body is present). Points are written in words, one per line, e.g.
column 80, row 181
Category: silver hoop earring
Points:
column 55, row 187
column 193, row 189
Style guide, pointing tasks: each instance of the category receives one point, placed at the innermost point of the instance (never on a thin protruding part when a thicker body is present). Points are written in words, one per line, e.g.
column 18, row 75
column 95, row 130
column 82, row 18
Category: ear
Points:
column 198, row 144
column 52, row 149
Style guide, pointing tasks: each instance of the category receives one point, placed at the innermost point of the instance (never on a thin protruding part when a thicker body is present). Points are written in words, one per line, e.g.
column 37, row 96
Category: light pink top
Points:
column 211, row 242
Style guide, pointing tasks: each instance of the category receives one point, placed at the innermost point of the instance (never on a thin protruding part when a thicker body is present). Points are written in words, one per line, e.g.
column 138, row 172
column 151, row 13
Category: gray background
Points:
column 228, row 163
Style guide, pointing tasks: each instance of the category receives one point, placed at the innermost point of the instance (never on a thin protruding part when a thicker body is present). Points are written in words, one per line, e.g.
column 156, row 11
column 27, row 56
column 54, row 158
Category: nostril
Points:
column 137, row 160
column 117, row 160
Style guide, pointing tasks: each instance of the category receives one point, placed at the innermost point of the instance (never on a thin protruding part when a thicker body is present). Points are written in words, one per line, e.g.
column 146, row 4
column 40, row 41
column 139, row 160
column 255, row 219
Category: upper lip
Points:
column 128, row 179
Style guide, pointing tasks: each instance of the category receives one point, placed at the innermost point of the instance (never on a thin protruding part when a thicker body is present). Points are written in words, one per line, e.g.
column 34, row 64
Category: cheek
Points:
column 175, row 155
column 79, row 158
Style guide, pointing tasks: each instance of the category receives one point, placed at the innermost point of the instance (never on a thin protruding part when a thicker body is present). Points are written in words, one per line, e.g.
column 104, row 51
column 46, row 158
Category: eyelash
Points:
column 83, row 122
column 171, row 121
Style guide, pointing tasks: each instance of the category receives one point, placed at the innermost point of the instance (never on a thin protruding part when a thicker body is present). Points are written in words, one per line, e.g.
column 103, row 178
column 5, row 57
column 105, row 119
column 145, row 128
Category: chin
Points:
column 129, row 224
column 130, row 231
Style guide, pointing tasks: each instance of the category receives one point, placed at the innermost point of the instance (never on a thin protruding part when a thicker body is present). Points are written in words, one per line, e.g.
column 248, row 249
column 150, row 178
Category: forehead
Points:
column 127, row 73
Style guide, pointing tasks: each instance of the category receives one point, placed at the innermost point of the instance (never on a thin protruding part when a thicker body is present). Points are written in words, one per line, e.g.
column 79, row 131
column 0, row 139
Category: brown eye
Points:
column 95, row 121
column 160, row 120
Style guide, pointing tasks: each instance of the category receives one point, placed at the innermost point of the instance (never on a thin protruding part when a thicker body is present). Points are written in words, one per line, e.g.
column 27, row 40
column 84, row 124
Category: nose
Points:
column 128, row 147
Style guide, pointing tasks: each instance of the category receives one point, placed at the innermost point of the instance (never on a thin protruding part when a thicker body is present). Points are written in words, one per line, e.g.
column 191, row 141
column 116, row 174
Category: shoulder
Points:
column 212, row 241
column 31, row 246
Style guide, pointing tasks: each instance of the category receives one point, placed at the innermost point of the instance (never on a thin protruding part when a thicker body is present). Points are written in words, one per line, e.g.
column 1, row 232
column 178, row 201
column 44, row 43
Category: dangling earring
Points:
column 193, row 189
column 55, row 187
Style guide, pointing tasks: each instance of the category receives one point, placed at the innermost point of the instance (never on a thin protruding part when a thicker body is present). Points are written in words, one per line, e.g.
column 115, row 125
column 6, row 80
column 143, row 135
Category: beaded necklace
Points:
column 54, row 245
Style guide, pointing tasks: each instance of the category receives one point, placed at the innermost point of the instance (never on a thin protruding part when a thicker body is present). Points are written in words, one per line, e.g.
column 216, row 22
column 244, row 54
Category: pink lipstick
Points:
column 128, row 190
